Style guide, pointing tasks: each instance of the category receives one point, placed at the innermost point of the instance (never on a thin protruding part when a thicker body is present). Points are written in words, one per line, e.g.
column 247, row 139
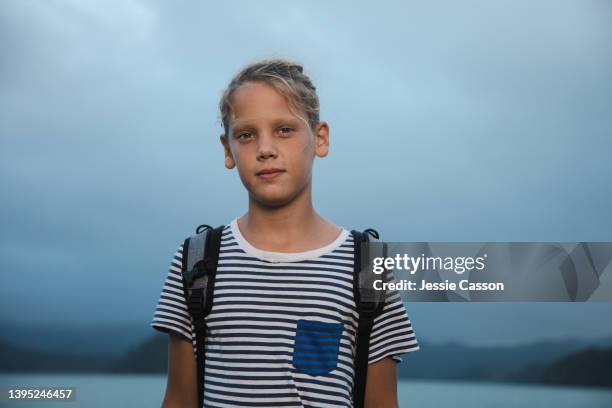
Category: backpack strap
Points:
column 369, row 303
column 200, row 259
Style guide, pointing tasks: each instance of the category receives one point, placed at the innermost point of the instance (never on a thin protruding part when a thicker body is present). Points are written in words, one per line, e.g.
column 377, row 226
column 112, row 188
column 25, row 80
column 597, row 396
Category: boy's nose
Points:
column 266, row 147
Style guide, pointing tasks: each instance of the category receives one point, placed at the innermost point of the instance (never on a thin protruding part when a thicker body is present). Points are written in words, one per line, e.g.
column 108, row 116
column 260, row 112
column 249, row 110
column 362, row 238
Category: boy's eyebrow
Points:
column 249, row 121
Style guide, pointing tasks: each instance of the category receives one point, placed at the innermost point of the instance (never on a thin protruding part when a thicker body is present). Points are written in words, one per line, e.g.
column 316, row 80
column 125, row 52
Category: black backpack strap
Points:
column 369, row 305
column 200, row 259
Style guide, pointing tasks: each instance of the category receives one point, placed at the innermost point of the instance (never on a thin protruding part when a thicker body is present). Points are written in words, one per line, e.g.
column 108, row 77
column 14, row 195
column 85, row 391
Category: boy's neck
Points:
column 295, row 227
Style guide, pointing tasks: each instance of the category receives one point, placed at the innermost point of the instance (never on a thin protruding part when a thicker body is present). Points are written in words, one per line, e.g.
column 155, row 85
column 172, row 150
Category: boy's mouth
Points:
column 270, row 173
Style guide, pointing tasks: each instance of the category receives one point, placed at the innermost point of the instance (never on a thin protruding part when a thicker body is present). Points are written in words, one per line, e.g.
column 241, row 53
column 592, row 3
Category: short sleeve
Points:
column 171, row 314
column 392, row 333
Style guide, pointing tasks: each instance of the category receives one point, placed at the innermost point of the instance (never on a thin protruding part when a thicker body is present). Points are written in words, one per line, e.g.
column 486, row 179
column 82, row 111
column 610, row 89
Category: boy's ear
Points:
column 322, row 139
column 229, row 159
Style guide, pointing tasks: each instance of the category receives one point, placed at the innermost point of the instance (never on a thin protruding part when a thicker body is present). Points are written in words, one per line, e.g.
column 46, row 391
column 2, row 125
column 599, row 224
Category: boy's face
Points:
column 266, row 135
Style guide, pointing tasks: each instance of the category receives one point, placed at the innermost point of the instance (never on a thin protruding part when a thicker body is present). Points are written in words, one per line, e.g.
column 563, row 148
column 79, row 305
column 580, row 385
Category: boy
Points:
column 284, row 275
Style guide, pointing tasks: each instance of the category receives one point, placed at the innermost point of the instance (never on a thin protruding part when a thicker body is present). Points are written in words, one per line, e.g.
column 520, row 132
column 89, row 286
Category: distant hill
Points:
column 558, row 362
column 592, row 367
column 562, row 363
column 451, row 361
column 109, row 339
column 149, row 357
column 19, row 359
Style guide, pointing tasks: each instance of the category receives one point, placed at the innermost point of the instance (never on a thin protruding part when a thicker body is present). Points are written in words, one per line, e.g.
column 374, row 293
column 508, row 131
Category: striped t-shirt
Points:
column 281, row 332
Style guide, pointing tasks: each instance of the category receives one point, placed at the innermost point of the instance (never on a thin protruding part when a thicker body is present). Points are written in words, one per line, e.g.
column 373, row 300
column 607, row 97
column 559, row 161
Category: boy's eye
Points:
column 285, row 130
column 244, row 135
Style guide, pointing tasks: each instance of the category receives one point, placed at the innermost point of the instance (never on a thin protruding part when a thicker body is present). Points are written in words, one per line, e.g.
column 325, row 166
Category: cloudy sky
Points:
column 472, row 120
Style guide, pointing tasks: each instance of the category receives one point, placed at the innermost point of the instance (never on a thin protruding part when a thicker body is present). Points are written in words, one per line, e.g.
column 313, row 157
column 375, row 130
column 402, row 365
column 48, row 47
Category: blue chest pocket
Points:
column 316, row 346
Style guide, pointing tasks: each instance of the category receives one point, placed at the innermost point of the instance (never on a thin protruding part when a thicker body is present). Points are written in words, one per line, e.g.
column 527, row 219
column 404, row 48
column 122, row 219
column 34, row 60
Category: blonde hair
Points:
column 285, row 77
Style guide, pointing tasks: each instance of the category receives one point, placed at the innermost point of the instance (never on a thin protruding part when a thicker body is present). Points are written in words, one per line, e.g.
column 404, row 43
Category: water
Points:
column 136, row 391
column 440, row 394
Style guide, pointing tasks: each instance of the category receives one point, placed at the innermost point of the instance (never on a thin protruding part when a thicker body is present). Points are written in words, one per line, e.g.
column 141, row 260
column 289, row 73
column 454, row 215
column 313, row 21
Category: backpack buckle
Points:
column 368, row 308
column 195, row 303
column 199, row 269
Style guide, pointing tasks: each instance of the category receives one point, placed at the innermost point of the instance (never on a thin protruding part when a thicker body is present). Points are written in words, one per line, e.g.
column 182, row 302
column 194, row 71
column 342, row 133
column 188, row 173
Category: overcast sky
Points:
column 471, row 120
